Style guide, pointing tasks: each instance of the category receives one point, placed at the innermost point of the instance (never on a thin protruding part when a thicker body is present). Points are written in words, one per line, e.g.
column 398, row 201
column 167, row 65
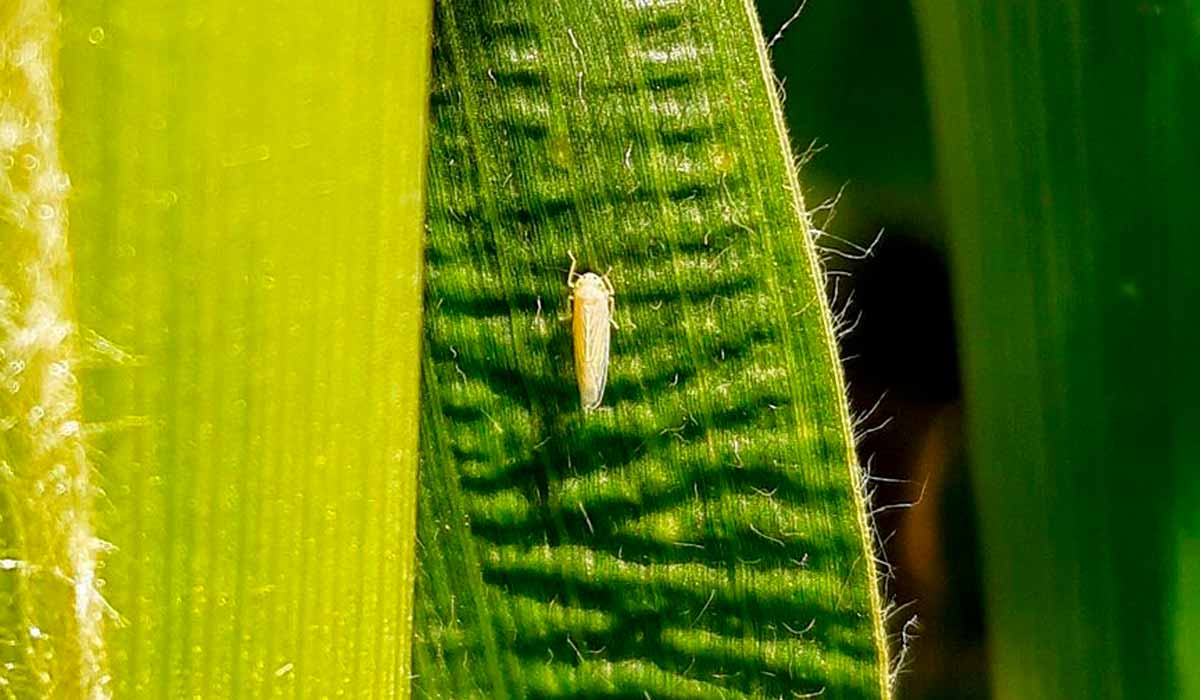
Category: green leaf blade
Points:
column 703, row 531
column 241, row 275
column 1068, row 148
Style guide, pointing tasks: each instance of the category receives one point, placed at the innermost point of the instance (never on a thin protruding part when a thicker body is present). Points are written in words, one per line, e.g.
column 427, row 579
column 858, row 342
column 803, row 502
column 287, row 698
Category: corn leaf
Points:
column 702, row 534
column 210, row 225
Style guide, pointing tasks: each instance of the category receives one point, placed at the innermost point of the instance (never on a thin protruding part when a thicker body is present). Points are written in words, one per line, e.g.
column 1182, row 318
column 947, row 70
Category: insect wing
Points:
column 592, row 329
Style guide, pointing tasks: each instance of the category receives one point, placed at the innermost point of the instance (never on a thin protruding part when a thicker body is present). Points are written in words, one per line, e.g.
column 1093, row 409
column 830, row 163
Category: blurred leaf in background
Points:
column 1068, row 144
column 210, row 225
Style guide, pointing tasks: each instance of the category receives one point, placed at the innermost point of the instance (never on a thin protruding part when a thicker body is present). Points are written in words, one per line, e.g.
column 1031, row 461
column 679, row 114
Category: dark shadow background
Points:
column 854, row 88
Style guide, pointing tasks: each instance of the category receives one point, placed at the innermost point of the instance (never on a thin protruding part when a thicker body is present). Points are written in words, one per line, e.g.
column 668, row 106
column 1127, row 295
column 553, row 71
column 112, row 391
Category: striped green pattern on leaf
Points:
column 701, row 535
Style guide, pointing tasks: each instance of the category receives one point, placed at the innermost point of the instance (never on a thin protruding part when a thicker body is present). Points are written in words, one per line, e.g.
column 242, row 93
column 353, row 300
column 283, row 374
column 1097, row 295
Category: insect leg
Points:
column 570, row 308
column 572, row 275
column 612, row 299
